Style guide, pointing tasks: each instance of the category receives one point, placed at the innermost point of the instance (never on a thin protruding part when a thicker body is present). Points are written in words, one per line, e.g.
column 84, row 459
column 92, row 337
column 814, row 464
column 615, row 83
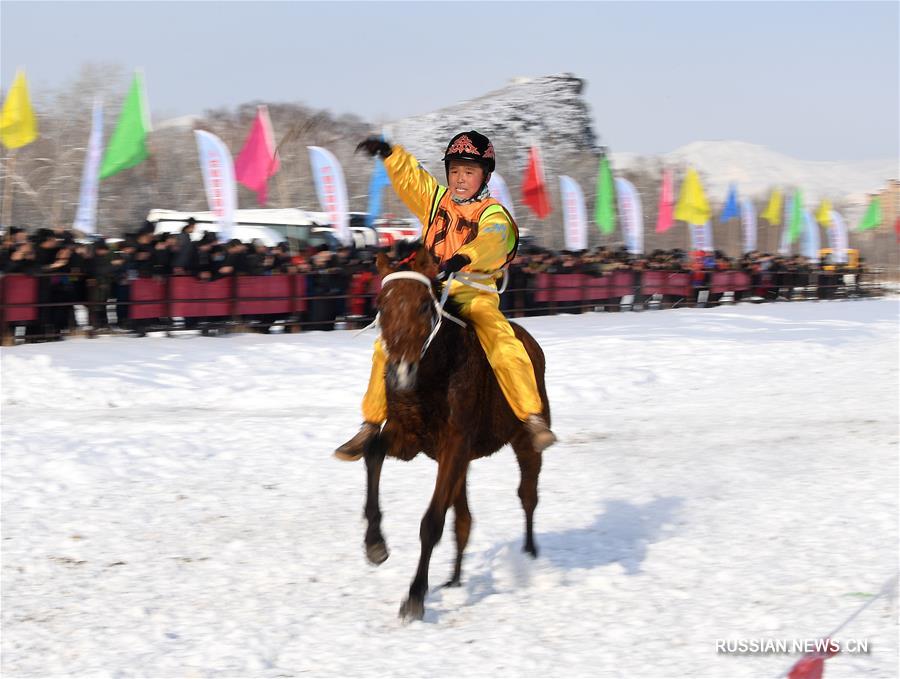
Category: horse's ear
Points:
column 383, row 264
column 425, row 264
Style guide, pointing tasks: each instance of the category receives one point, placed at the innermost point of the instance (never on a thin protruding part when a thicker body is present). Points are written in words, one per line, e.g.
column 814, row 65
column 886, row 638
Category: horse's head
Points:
column 407, row 314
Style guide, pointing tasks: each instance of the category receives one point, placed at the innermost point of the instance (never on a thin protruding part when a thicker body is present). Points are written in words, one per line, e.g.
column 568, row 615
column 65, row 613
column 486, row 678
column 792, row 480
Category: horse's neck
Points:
column 448, row 348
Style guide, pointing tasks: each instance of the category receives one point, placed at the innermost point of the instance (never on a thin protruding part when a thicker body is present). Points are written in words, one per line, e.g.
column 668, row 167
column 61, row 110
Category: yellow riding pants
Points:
column 506, row 354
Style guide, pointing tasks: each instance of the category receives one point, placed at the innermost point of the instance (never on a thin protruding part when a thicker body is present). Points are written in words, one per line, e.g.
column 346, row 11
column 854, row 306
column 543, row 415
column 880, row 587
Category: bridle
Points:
column 470, row 279
column 440, row 314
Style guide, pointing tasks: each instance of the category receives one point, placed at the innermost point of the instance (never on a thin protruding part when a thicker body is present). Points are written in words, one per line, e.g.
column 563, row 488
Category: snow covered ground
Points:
column 170, row 506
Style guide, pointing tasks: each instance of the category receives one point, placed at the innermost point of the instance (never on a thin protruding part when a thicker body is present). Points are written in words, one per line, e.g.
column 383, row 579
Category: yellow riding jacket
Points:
column 483, row 230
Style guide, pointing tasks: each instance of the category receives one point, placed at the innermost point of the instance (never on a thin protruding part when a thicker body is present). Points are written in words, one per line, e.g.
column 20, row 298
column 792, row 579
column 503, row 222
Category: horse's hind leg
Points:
column 376, row 549
column 462, row 526
column 530, row 467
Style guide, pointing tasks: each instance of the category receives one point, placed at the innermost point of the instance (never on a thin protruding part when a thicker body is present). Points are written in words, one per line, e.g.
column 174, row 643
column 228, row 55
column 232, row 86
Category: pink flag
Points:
column 258, row 161
column 666, row 203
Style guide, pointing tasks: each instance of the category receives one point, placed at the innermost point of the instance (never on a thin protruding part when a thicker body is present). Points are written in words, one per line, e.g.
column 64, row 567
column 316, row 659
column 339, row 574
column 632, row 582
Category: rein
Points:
column 438, row 305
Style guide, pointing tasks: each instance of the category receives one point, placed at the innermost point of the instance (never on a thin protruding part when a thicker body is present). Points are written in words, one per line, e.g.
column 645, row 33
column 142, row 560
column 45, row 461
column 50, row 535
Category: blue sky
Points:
column 815, row 80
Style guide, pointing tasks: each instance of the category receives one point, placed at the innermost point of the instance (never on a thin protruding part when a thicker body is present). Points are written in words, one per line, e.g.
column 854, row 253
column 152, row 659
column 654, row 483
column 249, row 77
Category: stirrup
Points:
column 356, row 447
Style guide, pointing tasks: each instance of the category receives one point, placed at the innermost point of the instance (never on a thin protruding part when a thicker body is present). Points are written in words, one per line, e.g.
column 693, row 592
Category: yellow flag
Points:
column 18, row 126
column 823, row 214
column 773, row 211
column 692, row 206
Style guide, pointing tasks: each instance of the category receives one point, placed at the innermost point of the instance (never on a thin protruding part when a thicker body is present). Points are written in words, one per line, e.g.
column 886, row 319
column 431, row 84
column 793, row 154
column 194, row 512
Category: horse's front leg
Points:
column 451, row 475
column 376, row 548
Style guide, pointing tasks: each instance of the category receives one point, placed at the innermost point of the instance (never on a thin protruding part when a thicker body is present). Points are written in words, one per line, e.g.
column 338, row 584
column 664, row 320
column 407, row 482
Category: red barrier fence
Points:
column 149, row 298
column 264, row 295
column 190, row 297
column 729, row 281
column 288, row 296
column 20, row 297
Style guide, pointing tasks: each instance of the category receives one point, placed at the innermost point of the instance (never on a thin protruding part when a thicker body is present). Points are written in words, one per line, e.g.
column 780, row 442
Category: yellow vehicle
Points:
column 852, row 258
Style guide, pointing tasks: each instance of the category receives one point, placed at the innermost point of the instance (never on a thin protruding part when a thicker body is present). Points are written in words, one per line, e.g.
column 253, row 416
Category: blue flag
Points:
column 731, row 205
column 376, row 185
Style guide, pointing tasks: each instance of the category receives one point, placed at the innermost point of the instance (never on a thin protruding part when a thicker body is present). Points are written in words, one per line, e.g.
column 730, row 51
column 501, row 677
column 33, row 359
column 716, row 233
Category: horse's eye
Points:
column 424, row 307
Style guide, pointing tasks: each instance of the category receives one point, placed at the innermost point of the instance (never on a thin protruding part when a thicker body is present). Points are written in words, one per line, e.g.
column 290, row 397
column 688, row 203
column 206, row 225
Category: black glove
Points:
column 452, row 265
column 374, row 146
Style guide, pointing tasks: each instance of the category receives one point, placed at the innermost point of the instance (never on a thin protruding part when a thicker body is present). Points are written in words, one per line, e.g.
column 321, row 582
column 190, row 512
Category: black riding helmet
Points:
column 470, row 145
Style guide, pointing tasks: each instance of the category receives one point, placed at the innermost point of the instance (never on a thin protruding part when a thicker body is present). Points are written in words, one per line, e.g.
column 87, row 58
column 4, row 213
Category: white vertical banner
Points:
column 811, row 237
column 632, row 215
column 748, row 222
column 332, row 191
column 499, row 190
column 701, row 237
column 574, row 215
column 837, row 235
column 218, row 180
column 86, row 217
column 784, row 248
column 696, row 231
column 708, row 237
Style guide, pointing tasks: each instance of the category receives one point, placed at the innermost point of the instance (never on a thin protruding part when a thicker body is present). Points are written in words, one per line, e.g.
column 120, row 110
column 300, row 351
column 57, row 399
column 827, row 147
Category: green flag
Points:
column 605, row 212
column 796, row 223
column 872, row 218
column 128, row 145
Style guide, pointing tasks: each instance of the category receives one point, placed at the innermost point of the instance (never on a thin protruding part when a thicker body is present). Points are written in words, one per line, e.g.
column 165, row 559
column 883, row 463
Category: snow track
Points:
column 170, row 506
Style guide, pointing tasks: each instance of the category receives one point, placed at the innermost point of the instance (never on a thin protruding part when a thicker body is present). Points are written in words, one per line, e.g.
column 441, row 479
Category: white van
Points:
column 299, row 228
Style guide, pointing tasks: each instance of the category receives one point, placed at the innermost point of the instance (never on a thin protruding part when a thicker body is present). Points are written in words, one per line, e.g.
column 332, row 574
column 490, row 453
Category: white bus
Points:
column 299, row 228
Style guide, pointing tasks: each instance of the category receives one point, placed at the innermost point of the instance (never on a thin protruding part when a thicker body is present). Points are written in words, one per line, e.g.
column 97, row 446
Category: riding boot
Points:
column 541, row 436
column 356, row 447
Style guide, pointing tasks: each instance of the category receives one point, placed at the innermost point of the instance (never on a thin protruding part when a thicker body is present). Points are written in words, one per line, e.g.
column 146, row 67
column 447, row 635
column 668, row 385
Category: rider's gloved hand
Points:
column 452, row 265
column 374, row 146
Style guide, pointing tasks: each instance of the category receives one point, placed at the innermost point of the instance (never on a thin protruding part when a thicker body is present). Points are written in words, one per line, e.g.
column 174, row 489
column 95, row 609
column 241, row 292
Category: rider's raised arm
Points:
column 415, row 185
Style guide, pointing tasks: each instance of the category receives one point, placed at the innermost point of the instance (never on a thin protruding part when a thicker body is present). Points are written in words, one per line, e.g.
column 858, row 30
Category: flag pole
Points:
column 7, row 188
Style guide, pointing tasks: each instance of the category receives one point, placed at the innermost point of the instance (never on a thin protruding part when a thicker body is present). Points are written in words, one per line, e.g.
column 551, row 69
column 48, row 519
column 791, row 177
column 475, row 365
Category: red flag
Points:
column 258, row 160
column 666, row 203
column 812, row 665
column 897, row 228
column 534, row 189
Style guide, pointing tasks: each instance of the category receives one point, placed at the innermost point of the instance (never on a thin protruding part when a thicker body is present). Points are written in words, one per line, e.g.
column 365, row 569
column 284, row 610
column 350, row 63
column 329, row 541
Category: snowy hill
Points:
column 549, row 109
column 756, row 169
column 552, row 110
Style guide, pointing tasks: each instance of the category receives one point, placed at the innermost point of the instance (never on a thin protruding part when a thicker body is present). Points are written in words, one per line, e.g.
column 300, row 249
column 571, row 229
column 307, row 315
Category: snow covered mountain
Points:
column 756, row 170
column 551, row 110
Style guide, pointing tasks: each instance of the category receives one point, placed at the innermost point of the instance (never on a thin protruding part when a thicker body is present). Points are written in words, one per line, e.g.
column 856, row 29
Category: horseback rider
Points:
column 466, row 231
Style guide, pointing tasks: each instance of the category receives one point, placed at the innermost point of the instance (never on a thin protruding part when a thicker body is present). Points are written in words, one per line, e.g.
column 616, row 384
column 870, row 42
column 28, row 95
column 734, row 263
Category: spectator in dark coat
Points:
column 186, row 251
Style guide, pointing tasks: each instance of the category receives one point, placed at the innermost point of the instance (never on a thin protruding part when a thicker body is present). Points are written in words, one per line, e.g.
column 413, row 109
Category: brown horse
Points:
column 443, row 400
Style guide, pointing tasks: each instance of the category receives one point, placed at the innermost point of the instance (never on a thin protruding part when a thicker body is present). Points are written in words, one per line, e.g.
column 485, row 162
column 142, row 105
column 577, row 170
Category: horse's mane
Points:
column 402, row 260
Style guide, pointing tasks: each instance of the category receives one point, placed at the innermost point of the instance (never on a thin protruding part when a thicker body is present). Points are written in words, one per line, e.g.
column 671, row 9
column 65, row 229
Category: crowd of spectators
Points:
column 100, row 271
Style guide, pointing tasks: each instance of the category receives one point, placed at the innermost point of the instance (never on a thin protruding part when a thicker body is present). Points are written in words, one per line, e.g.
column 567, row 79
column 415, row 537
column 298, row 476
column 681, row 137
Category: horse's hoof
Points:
column 452, row 582
column 377, row 554
column 531, row 550
column 412, row 609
